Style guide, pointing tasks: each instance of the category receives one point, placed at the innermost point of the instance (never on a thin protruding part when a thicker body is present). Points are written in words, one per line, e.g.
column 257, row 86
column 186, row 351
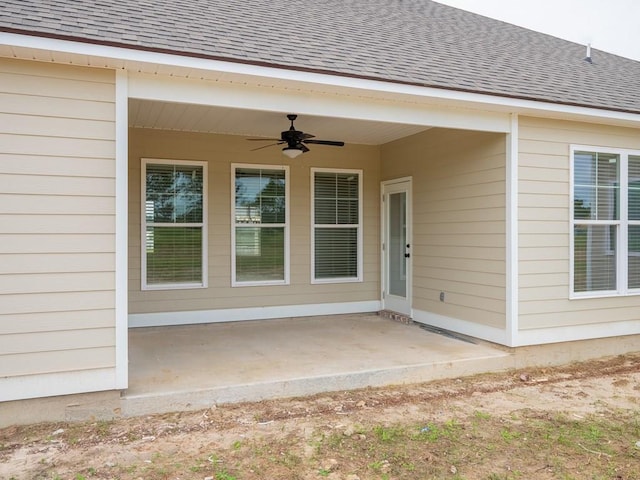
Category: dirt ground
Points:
column 350, row 435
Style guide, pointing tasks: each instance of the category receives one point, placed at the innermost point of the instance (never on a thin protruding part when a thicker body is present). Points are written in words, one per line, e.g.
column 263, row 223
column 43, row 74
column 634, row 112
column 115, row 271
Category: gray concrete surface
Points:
column 195, row 366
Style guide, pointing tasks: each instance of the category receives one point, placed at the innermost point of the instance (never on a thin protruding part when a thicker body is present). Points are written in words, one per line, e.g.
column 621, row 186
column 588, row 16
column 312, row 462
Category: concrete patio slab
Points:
column 196, row 366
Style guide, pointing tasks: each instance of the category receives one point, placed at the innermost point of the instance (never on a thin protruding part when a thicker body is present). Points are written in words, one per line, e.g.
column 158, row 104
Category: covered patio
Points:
column 195, row 366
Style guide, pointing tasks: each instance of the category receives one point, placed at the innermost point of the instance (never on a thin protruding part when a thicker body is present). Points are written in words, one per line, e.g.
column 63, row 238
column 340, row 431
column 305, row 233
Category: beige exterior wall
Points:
column 220, row 151
column 57, row 220
column 544, row 213
column 458, row 221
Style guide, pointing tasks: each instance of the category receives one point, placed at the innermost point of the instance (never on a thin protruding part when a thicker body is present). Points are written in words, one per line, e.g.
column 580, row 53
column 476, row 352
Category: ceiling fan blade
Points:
column 305, row 136
column 263, row 139
column 302, row 147
column 325, row 142
column 265, row 146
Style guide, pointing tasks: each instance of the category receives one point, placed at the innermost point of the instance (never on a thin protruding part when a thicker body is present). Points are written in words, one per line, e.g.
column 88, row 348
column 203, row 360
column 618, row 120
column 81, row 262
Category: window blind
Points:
column 173, row 213
column 336, row 213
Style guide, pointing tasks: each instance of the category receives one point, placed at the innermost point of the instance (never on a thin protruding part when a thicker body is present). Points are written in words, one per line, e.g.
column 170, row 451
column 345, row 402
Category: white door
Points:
column 396, row 245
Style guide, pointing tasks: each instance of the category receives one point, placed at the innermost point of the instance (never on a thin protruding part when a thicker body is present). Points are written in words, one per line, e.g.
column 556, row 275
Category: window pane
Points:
column 174, row 255
column 174, row 193
column 336, row 253
column 634, row 187
column 260, row 196
column 594, row 257
column 608, row 203
column 584, row 203
column 584, row 169
column 634, row 256
column 259, row 254
column 596, row 186
column 336, row 198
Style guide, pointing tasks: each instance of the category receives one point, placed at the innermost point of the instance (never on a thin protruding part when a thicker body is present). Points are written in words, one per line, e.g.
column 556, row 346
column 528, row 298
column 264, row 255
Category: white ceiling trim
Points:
column 134, row 60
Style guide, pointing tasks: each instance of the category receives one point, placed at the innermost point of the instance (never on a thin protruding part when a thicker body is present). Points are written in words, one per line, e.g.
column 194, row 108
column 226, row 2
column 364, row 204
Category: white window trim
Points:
column 622, row 224
column 203, row 225
column 286, row 225
column 359, row 226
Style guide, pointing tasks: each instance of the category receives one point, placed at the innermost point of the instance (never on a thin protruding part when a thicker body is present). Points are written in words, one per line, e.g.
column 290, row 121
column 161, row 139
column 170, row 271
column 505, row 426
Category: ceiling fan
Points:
column 295, row 140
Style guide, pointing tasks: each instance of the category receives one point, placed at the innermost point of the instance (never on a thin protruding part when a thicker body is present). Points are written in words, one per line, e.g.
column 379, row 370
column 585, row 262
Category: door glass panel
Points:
column 397, row 244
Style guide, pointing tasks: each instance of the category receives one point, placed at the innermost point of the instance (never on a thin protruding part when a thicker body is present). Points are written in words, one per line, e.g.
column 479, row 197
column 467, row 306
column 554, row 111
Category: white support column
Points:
column 122, row 161
column 512, row 233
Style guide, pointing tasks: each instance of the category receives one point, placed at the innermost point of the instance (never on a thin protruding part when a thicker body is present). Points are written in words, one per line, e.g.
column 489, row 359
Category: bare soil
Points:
column 576, row 421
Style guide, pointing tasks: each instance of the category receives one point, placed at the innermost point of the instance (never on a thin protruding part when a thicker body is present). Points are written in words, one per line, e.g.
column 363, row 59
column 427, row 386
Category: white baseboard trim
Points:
column 575, row 333
column 59, row 383
column 253, row 313
column 483, row 332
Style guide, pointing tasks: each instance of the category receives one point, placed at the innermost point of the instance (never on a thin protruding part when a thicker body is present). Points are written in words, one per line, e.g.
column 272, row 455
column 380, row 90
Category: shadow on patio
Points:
column 195, row 366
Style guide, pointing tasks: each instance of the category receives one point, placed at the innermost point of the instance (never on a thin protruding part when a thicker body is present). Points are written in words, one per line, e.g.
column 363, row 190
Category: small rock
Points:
column 453, row 469
column 524, row 377
column 149, row 438
column 638, row 444
column 349, row 431
column 329, row 464
column 352, row 476
column 109, row 464
column 361, row 404
column 58, row 432
column 208, row 478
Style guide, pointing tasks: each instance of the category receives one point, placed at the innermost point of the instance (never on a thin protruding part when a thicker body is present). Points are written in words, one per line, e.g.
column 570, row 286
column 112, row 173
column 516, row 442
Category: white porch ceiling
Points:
column 254, row 123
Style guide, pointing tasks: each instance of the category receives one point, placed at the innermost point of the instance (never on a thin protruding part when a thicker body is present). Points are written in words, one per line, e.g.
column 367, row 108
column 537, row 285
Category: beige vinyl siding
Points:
column 57, row 218
column 544, row 224
column 220, row 151
column 458, row 221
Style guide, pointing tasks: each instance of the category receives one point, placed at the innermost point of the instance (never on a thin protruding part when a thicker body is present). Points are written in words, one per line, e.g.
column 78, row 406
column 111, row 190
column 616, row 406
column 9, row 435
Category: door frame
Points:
column 384, row 185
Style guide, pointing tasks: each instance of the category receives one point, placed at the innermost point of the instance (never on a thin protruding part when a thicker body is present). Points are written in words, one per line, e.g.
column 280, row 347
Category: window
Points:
column 173, row 224
column 260, row 217
column 336, row 225
column 605, row 256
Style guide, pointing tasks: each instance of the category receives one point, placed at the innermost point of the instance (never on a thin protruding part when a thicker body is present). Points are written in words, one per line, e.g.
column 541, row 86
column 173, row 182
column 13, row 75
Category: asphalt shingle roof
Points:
column 417, row 42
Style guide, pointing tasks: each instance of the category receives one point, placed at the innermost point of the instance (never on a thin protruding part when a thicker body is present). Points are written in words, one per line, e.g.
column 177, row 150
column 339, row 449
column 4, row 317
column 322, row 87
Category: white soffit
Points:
column 254, row 123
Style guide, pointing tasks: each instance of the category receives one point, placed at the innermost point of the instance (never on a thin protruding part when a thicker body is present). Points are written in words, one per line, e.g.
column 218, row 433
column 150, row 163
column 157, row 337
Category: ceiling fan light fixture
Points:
column 291, row 152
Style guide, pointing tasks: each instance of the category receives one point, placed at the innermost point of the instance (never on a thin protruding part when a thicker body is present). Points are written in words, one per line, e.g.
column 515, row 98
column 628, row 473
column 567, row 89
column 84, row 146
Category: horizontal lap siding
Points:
column 220, row 151
column 57, row 218
column 544, row 224
column 458, row 221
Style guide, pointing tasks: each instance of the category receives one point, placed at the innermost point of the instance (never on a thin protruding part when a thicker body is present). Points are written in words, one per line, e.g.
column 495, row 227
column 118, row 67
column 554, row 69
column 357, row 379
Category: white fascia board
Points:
column 120, row 57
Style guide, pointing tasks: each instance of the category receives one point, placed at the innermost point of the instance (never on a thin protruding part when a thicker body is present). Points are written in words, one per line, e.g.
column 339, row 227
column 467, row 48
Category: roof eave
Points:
column 119, row 50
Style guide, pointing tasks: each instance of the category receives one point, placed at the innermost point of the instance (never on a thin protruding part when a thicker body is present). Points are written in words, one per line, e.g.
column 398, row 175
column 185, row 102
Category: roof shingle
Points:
column 418, row 42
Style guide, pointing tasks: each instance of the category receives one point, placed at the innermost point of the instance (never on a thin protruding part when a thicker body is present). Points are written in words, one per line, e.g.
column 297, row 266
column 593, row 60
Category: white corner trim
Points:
column 122, row 241
column 511, row 251
column 483, row 332
column 574, row 333
column 54, row 384
column 251, row 313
